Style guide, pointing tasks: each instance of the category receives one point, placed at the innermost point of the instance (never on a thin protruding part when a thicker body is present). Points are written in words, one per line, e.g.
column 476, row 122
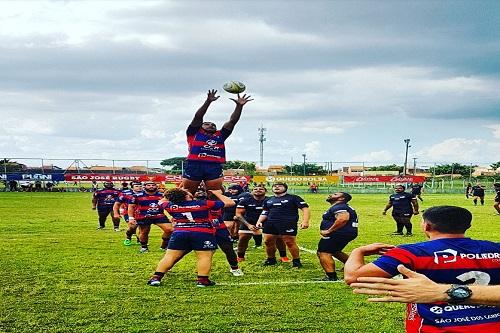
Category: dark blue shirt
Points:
column 284, row 209
column 401, row 202
column 253, row 208
column 416, row 189
column 478, row 191
column 350, row 228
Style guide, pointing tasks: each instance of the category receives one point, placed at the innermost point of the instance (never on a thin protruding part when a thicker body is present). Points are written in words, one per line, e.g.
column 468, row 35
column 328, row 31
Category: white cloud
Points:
column 461, row 150
column 327, row 127
column 312, row 149
column 495, row 129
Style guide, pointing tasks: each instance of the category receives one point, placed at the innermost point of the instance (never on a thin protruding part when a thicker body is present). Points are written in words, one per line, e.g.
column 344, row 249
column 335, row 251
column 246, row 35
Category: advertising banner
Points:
column 120, row 177
column 296, row 179
column 54, row 177
column 384, row 179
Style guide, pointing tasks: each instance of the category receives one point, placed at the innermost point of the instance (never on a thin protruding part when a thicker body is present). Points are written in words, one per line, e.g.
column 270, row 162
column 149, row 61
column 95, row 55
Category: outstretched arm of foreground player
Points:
column 198, row 116
column 235, row 116
column 355, row 266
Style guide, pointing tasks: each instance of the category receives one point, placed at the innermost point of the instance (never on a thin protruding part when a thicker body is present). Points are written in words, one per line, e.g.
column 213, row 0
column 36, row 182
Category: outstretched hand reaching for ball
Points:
column 242, row 100
column 211, row 95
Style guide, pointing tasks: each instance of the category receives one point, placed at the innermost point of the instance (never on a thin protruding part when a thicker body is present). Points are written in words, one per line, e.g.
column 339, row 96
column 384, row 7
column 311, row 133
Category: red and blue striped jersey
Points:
column 192, row 215
column 207, row 147
column 449, row 261
column 147, row 206
column 106, row 197
column 124, row 199
column 217, row 218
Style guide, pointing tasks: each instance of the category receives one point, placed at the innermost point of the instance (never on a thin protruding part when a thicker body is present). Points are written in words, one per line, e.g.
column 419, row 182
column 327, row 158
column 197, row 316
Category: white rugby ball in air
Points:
column 234, row 87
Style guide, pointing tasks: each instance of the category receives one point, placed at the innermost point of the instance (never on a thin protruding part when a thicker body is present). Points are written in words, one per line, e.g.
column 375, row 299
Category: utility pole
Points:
column 407, row 142
column 262, row 138
column 304, row 165
column 414, row 165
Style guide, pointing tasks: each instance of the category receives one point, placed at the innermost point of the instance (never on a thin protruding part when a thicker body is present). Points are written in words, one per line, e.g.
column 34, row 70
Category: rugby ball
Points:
column 234, row 87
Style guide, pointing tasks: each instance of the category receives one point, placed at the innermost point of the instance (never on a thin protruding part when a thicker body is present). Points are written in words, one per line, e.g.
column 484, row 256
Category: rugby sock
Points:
column 409, row 227
column 258, row 240
column 159, row 275
column 332, row 275
column 400, row 227
column 234, row 266
column 203, row 279
column 282, row 253
column 241, row 254
column 129, row 234
column 475, row 202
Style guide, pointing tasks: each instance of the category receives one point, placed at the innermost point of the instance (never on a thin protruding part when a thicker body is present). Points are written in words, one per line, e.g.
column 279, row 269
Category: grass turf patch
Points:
column 62, row 275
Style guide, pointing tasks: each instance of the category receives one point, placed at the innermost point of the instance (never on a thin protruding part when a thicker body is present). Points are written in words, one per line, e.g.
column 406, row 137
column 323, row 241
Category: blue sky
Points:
column 336, row 80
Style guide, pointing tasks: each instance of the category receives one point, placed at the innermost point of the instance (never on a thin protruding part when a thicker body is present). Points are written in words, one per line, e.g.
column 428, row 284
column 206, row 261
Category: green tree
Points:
column 310, row 169
column 457, row 168
column 495, row 165
column 11, row 166
column 391, row 167
column 249, row 167
column 175, row 162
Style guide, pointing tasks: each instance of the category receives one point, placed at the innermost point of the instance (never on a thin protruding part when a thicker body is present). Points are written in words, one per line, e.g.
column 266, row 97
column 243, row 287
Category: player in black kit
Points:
column 478, row 193
column 404, row 205
column 496, row 187
column 280, row 218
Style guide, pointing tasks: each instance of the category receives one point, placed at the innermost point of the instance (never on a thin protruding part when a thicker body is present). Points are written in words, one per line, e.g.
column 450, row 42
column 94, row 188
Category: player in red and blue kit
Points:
column 121, row 204
column 222, row 234
column 206, row 146
column 448, row 258
column 338, row 227
column 145, row 210
column 103, row 200
column 193, row 231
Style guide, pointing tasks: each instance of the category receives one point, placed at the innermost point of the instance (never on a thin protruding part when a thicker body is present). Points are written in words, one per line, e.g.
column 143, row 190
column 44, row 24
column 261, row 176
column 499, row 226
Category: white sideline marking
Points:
column 307, row 250
column 312, row 252
column 275, row 282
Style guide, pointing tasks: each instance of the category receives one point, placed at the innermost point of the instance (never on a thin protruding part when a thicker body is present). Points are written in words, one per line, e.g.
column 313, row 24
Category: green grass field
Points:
column 59, row 274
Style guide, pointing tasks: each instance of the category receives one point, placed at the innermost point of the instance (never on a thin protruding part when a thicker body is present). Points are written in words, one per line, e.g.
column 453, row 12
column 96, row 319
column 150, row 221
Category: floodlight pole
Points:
column 407, row 142
column 262, row 138
column 304, row 165
column 414, row 165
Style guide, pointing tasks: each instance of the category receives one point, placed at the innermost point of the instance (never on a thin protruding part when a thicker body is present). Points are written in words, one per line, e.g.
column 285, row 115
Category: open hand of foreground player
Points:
column 416, row 289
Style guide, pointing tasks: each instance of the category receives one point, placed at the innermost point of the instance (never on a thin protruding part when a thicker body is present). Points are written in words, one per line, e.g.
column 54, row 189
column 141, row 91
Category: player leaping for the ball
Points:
column 206, row 146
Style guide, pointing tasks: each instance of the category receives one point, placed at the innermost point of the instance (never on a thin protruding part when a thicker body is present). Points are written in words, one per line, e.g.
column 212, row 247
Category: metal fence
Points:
column 433, row 184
